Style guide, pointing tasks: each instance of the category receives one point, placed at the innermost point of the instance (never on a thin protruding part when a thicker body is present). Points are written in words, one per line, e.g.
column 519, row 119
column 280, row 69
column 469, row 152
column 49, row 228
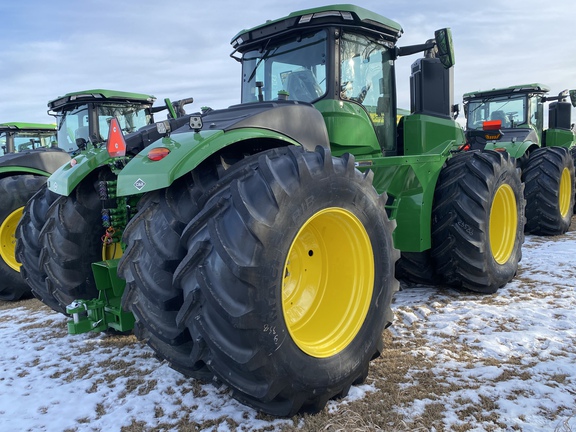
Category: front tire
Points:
column 478, row 221
column 15, row 191
column 549, row 179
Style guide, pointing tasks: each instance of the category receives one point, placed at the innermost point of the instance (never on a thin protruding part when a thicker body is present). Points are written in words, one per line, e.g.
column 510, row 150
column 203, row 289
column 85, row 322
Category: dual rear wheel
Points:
column 279, row 284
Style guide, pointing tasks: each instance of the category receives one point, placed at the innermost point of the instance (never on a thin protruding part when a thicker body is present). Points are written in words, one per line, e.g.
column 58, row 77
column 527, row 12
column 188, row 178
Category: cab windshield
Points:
column 131, row 118
column 511, row 111
column 74, row 126
column 296, row 67
column 31, row 140
column 27, row 140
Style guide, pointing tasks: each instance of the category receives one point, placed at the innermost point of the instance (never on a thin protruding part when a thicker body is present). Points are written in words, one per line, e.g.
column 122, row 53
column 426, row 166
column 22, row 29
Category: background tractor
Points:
column 84, row 119
column 29, row 154
column 263, row 251
column 511, row 119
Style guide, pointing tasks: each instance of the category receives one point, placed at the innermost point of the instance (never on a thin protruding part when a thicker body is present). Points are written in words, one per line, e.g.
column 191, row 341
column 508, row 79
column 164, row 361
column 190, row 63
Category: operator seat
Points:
column 499, row 115
column 82, row 132
column 301, row 85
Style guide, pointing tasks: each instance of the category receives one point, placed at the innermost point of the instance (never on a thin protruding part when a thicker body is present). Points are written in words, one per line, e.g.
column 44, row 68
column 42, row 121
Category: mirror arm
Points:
column 413, row 49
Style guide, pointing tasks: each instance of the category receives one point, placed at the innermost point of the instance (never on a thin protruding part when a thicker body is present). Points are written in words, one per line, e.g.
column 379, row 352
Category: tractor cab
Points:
column 342, row 62
column 84, row 117
column 515, row 114
column 19, row 137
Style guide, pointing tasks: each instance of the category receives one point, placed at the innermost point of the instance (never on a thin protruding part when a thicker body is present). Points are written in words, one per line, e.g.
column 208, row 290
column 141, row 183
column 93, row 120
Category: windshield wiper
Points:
column 264, row 57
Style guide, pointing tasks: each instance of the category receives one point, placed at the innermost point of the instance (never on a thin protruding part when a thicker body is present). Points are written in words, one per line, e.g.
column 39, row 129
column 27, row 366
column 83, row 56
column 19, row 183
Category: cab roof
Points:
column 504, row 91
column 27, row 127
column 339, row 14
column 100, row 95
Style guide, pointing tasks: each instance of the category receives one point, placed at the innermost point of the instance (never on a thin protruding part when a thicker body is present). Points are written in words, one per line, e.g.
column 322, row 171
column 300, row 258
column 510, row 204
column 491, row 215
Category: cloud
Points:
column 180, row 49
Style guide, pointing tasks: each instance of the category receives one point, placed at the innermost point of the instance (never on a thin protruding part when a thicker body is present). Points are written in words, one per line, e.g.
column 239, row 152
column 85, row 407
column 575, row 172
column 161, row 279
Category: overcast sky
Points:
column 181, row 48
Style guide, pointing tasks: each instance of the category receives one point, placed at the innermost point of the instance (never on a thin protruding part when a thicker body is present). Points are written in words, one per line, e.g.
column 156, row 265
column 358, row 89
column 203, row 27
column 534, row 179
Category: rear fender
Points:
column 69, row 175
column 187, row 151
column 514, row 149
column 9, row 171
column 41, row 161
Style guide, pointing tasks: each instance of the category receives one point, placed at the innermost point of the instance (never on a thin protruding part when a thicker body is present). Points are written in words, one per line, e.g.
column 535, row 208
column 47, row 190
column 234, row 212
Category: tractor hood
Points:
column 44, row 160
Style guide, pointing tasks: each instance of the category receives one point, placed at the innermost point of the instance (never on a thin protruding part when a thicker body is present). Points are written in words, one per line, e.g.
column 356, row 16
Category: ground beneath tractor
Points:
column 453, row 361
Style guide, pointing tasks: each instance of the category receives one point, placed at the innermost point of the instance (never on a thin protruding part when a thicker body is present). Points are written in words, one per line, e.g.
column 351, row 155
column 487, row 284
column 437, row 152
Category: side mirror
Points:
column 455, row 111
column 445, row 47
column 573, row 97
column 81, row 143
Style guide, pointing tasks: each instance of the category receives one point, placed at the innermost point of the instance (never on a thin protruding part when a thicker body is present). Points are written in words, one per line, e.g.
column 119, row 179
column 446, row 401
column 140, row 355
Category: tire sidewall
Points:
column 507, row 174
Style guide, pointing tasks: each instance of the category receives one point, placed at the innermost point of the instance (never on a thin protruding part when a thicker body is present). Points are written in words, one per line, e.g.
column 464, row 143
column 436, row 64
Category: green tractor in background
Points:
column 83, row 124
column 511, row 119
column 263, row 250
column 28, row 155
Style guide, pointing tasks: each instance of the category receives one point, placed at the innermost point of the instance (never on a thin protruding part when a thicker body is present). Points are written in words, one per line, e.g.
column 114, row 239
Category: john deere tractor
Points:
column 264, row 246
column 511, row 119
column 83, row 123
column 28, row 155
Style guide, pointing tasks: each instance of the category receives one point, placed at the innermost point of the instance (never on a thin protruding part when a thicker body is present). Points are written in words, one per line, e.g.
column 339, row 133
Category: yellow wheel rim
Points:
column 503, row 224
column 328, row 282
column 8, row 239
column 565, row 192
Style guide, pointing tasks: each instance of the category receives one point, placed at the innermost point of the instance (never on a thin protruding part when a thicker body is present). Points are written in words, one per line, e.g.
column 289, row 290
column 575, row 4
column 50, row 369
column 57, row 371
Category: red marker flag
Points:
column 116, row 145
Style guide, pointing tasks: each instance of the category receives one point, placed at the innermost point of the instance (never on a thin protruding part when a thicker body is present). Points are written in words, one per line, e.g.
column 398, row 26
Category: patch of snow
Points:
column 521, row 342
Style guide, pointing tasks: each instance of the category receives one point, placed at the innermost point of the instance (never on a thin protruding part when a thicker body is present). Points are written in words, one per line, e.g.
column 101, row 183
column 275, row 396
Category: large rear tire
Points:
column 15, row 191
column 549, row 180
column 478, row 221
column 28, row 247
column 71, row 241
column 287, row 280
column 152, row 254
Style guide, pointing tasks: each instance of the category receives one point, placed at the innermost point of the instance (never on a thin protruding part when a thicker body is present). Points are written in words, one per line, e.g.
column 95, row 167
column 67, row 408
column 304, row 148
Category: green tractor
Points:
column 28, row 155
column 511, row 119
column 263, row 250
column 83, row 123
